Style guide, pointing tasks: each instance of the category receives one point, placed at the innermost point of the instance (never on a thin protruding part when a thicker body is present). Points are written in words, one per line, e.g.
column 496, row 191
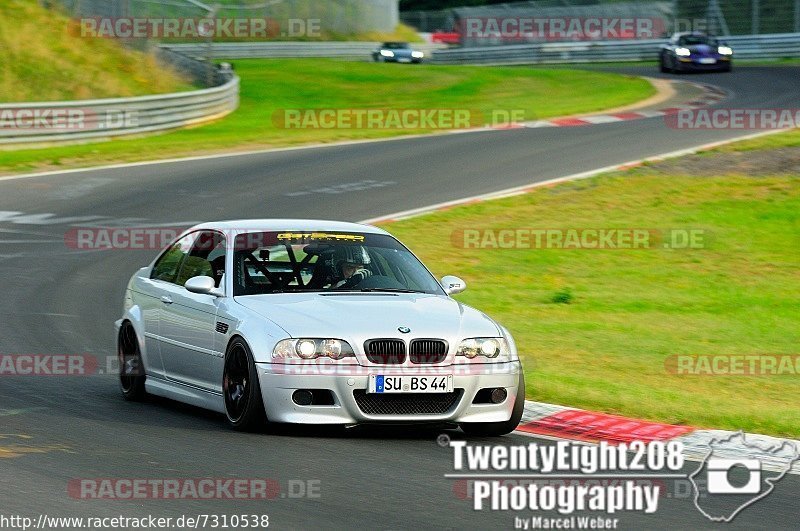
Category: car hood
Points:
column 702, row 49
column 360, row 316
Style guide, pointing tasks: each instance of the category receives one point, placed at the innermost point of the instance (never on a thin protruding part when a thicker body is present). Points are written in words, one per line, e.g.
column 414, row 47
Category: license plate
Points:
column 379, row 383
column 708, row 61
column 404, row 60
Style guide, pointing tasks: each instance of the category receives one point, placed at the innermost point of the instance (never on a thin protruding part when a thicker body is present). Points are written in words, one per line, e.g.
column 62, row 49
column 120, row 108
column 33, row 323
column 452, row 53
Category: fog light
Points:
column 499, row 395
column 303, row 397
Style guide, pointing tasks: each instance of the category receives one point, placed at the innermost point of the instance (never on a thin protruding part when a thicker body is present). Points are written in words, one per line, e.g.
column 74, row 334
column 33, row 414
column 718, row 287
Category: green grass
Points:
column 271, row 85
column 594, row 327
column 41, row 61
column 772, row 141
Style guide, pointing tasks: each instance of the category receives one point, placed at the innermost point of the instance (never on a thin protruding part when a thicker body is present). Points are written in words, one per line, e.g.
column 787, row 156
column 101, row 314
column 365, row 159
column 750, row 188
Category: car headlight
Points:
column 725, row 50
column 312, row 348
column 387, row 53
column 683, row 52
column 483, row 350
column 417, row 55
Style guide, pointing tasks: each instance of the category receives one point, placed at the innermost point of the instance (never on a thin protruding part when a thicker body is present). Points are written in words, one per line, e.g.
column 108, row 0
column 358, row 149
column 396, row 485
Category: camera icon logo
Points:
column 736, row 473
column 720, row 471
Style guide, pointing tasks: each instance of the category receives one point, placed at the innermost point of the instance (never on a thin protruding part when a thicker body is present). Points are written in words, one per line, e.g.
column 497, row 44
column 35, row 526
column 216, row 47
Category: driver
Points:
column 350, row 266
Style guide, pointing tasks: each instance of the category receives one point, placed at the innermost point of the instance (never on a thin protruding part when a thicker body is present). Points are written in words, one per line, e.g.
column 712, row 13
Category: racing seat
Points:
column 323, row 270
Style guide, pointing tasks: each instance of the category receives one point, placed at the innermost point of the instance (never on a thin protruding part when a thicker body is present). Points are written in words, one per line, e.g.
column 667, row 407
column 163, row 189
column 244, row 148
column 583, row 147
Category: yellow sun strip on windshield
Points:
column 324, row 236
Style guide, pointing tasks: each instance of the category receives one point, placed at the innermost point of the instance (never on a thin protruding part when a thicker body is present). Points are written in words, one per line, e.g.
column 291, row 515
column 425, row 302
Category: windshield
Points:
column 395, row 45
column 280, row 262
column 693, row 40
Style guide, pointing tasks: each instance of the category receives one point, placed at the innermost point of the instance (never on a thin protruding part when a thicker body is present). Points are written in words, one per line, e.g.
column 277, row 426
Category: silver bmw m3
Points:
column 313, row 322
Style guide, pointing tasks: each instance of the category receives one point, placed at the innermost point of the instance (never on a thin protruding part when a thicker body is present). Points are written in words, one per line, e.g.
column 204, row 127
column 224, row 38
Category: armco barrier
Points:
column 277, row 49
column 76, row 121
column 776, row 46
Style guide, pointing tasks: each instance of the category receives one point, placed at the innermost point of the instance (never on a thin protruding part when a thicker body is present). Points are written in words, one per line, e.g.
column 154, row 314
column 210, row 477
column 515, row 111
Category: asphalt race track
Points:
column 58, row 300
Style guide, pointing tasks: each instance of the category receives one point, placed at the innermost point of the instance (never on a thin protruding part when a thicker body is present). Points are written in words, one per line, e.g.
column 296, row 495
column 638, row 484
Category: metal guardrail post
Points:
column 797, row 16
column 212, row 14
column 754, row 16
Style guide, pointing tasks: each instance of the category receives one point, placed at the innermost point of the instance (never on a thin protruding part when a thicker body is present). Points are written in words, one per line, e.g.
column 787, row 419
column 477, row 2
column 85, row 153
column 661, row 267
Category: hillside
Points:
column 41, row 61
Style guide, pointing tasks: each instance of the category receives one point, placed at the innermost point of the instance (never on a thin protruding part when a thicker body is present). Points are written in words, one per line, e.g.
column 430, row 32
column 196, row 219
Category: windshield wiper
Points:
column 292, row 290
column 390, row 290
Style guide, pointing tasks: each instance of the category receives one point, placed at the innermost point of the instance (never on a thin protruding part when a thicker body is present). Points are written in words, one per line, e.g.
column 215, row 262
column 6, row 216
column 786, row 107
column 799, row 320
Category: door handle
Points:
column 166, row 300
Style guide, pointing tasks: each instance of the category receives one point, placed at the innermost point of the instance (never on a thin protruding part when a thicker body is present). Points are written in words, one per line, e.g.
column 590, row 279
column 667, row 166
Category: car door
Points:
column 188, row 320
column 147, row 291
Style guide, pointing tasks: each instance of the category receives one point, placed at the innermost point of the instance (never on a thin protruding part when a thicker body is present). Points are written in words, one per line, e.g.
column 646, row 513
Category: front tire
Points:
column 244, row 407
column 676, row 67
column 495, row 429
column 662, row 64
column 132, row 373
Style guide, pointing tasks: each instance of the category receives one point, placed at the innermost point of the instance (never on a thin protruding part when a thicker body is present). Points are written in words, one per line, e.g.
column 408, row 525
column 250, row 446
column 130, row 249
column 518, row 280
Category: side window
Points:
column 167, row 266
column 206, row 259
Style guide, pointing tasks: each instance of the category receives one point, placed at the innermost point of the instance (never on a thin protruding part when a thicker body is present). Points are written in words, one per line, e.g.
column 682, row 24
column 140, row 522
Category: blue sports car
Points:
column 695, row 52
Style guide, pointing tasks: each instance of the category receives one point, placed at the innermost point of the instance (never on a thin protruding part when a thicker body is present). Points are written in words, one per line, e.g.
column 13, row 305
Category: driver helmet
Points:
column 356, row 255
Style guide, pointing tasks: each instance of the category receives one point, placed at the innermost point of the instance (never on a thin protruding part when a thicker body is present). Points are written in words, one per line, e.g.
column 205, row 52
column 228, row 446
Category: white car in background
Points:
column 313, row 322
column 397, row 52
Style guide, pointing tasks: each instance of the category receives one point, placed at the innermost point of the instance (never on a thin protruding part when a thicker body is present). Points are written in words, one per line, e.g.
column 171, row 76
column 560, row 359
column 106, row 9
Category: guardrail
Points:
column 276, row 50
column 82, row 120
column 776, row 46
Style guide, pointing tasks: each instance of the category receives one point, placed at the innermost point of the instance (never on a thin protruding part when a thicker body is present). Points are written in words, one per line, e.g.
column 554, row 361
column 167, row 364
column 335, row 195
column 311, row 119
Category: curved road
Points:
column 60, row 300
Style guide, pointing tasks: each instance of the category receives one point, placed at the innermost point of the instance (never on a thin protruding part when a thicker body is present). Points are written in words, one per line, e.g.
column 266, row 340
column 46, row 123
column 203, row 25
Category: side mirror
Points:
column 453, row 285
column 203, row 285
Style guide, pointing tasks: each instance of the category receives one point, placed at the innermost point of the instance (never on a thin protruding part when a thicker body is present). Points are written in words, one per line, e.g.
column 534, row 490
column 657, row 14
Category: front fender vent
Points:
column 222, row 328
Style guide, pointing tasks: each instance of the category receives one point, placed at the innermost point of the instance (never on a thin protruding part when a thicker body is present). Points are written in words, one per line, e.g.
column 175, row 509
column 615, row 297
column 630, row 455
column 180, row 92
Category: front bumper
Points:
column 398, row 59
column 278, row 384
column 693, row 63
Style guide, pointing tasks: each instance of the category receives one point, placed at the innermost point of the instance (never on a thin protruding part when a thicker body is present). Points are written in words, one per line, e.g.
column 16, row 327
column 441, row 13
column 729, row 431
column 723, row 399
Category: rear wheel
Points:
column 244, row 406
column 495, row 429
column 131, row 367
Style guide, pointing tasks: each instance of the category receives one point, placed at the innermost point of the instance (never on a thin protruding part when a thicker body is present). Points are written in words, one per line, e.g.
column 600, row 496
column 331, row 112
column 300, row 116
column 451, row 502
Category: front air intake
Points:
column 385, row 351
column 427, row 351
column 407, row 403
